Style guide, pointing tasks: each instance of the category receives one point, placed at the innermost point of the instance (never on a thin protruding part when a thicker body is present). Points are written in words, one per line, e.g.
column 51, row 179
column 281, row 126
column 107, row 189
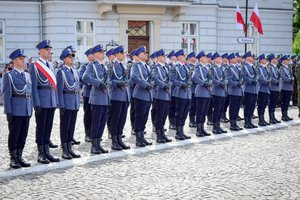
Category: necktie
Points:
column 47, row 64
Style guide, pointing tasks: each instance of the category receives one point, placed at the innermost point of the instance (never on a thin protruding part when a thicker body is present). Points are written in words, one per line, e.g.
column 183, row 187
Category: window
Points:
column 252, row 32
column 85, row 37
column 1, row 41
column 189, row 37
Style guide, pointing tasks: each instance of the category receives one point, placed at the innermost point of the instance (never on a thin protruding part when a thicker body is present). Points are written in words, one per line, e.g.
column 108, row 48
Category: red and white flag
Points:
column 256, row 20
column 48, row 73
column 240, row 24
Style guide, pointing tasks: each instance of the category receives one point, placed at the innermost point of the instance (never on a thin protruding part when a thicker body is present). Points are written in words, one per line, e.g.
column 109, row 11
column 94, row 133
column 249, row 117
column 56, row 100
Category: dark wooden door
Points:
column 137, row 41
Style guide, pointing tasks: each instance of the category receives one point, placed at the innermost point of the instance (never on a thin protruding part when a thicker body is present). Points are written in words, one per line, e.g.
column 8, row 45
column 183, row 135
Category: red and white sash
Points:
column 48, row 73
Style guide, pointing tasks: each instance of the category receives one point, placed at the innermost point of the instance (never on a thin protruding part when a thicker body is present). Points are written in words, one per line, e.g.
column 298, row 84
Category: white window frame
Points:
column 189, row 36
column 2, row 60
column 252, row 32
column 84, row 35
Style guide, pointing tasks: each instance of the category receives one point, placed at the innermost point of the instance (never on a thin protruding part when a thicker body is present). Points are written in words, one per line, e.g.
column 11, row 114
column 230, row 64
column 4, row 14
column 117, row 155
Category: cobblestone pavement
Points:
column 265, row 165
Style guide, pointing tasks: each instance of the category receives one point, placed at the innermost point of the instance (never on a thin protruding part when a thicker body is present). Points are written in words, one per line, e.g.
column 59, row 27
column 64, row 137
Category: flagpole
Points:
column 246, row 23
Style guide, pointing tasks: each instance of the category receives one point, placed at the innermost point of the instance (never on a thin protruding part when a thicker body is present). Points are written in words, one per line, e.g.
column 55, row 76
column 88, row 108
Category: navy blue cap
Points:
column 97, row 48
column 248, row 54
column 231, row 56
column 160, row 52
column 65, row 53
column 225, row 55
column 17, row 53
column 140, row 50
column 209, row 55
column 237, row 54
column 88, row 52
column 71, row 47
column 215, row 55
column 285, row 57
column 110, row 52
column 119, row 49
column 190, row 55
column 261, row 57
column 179, row 53
column 43, row 44
column 132, row 53
column 270, row 57
column 153, row 55
column 172, row 53
column 200, row 55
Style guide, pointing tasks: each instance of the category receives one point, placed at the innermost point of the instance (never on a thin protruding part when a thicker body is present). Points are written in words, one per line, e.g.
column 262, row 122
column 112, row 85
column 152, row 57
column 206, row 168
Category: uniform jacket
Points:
column 201, row 75
column 180, row 76
column 218, row 78
column 249, row 74
column 119, row 74
column 234, row 77
column 263, row 79
column 161, row 78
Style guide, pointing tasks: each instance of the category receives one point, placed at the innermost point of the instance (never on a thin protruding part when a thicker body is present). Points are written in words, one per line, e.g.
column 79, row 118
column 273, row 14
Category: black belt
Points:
column 40, row 87
column 76, row 92
column 26, row 96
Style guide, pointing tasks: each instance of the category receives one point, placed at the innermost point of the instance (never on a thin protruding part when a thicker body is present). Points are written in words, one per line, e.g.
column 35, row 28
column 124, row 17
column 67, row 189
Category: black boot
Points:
column 121, row 143
column 247, row 125
column 222, row 130
column 20, row 160
column 163, row 135
column 72, row 153
column 277, row 121
column 13, row 160
column 233, row 126
column 159, row 138
column 115, row 144
column 41, row 155
column 235, row 121
column 216, row 129
column 183, row 134
column 250, row 122
column 75, row 142
column 265, row 121
column 87, row 137
column 139, row 142
column 65, row 153
column 100, row 147
column 172, row 123
column 289, row 118
column 272, row 118
column 48, row 155
column 145, row 141
column 239, row 118
column 52, row 145
column 199, row 132
column 284, row 116
column 261, row 121
column 203, row 130
column 179, row 135
column 94, row 148
column 192, row 123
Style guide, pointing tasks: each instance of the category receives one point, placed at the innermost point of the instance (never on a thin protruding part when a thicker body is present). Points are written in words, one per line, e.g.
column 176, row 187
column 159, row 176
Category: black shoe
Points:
column 203, row 130
column 285, row 117
column 182, row 133
column 145, row 141
column 163, row 134
column 179, row 135
column 261, row 121
column 139, row 142
column 52, row 145
column 41, row 155
column 192, row 123
column 254, row 117
column 72, row 153
column 65, row 153
column 247, row 125
column 20, row 160
column 222, row 130
column 94, row 148
column 216, row 129
column 199, row 132
column 250, row 122
column 121, row 143
column 224, row 118
column 13, row 160
column 233, row 126
column 48, row 155
column 115, row 144
column 239, row 118
column 272, row 118
column 100, row 147
column 209, row 123
column 75, row 142
column 159, row 138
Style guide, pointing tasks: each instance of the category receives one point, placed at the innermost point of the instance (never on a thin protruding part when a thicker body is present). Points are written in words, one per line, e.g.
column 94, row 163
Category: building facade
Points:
column 194, row 25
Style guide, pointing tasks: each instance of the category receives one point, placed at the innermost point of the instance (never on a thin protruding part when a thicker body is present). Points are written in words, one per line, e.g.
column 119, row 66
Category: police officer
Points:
column 171, row 64
column 142, row 94
column 120, row 98
column 161, row 95
column 153, row 62
column 274, row 88
column 293, row 64
column 219, row 85
column 17, row 91
column 191, row 58
column 68, row 91
column 225, row 65
column 235, row 91
column 264, row 89
column 250, row 93
column 210, row 109
column 239, row 65
column 98, row 76
column 86, row 90
column 181, row 79
column 286, row 87
column 44, row 100
column 202, row 77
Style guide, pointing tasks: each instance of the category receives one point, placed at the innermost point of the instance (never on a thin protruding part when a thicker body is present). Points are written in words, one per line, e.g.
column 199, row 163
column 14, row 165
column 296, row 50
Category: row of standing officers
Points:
column 204, row 88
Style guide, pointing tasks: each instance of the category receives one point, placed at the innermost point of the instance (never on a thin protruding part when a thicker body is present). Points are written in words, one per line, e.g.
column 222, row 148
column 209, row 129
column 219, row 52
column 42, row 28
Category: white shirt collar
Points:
column 44, row 61
column 20, row 71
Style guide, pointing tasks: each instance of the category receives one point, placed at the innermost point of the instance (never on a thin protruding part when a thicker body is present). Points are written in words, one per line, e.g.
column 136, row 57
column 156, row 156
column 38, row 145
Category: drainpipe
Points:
column 41, row 19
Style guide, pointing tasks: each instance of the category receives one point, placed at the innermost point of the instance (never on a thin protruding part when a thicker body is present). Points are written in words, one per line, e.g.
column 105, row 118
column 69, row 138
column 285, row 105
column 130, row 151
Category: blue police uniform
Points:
column 97, row 75
column 226, row 103
column 172, row 124
column 17, row 96
column 153, row 103
column 44, row 102
column 250, row 92
column 201, row 76
column 131, row 87
column 86, row 90
column 120, row 98
column 287, row 81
